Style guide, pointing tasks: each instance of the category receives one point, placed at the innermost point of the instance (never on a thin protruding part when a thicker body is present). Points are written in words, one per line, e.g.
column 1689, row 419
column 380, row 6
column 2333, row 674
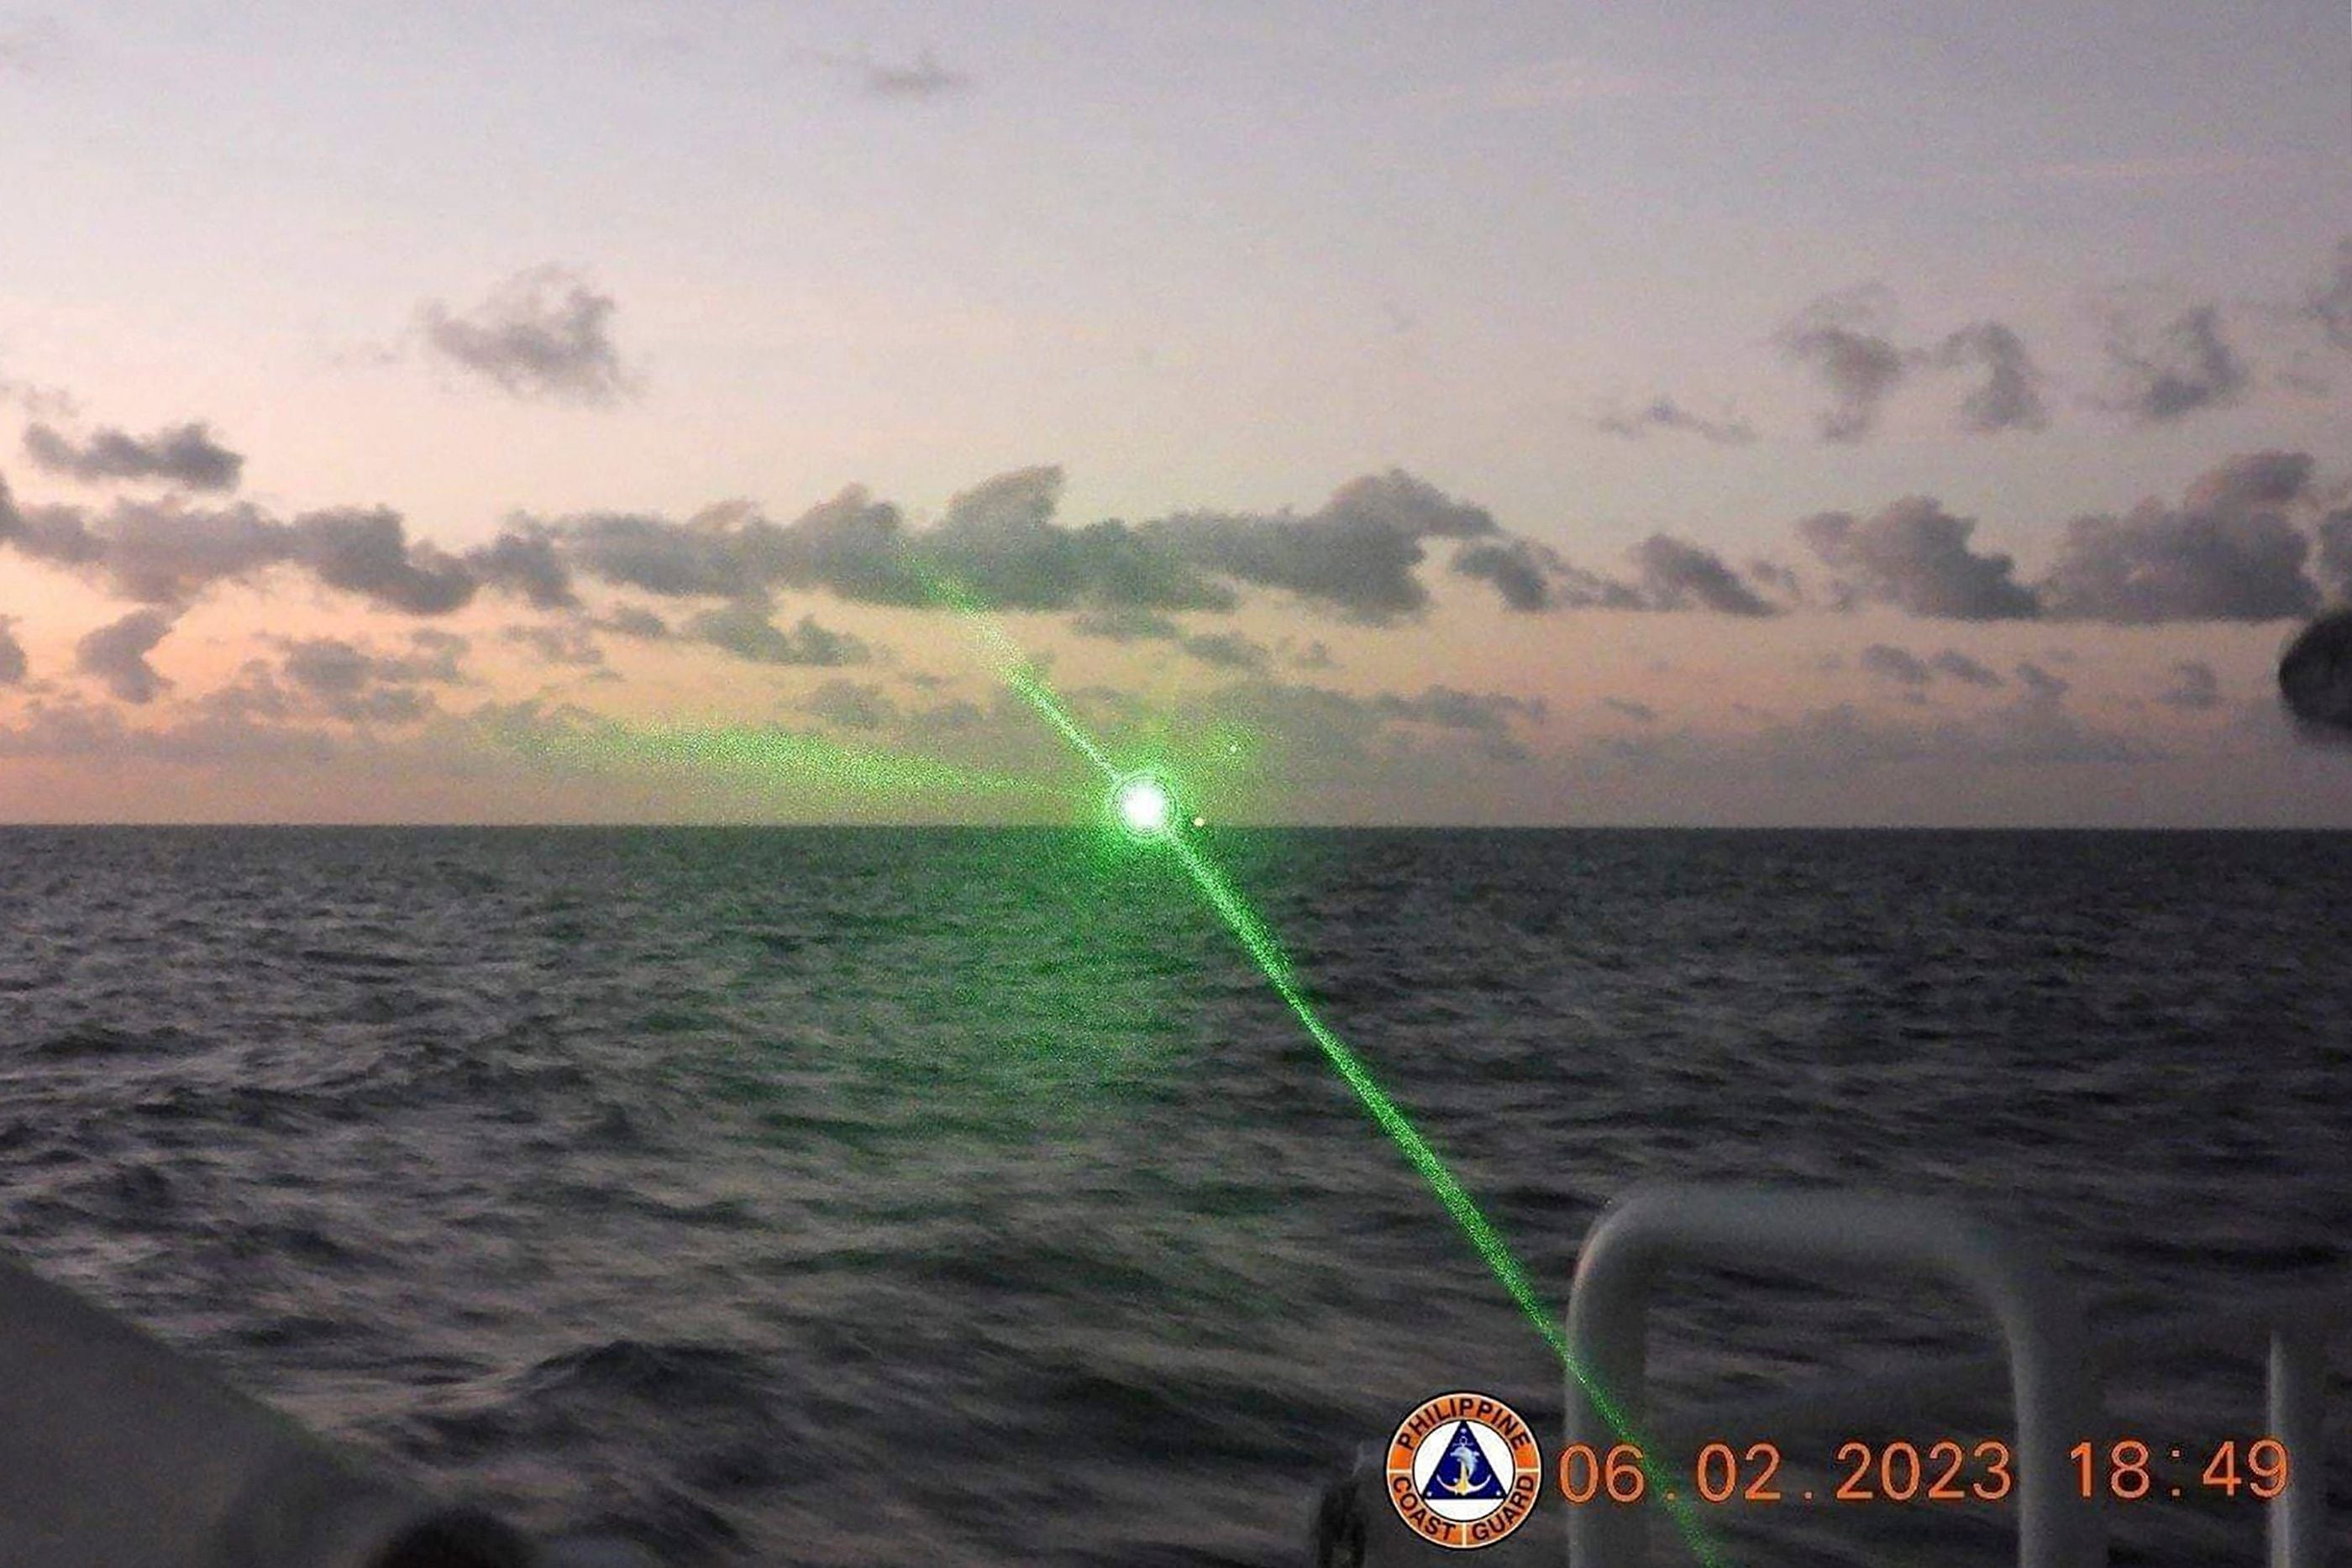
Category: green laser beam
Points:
column 1257, row 938
column 751, row 753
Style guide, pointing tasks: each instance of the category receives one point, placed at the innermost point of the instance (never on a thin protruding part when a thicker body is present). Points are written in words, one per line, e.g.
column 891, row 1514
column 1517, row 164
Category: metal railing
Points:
column 2051, row 1368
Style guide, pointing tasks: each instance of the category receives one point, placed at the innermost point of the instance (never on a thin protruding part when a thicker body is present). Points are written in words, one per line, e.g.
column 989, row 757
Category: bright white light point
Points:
column 1144, row 805
column 1200, row 821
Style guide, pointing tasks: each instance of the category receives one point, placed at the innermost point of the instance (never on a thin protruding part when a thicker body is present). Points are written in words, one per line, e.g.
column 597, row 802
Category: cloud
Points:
column 167, row 552
column 744, row 629
column 1229, row 650
column 1640, row 713
column 362, row 687
column 1520, row 570
column 566, row 643
column 1842, row 339
column 851, row 705
column 1960, row 667
column 2226, row 553
column 526, row 560
column 2330, row 305
column 636, row 550
column 2194, row 687
column 13, row 666
column 116, row 655
column 156, row 553
column 211, row 735
column 1449, row 707
column 999, row 540
column 2314, row 677
column 1320, row 728
column 368, row 552
column 1908, row 670
column 1672, row 575
column 1914, row 555
column 1889, row 662
column 542, row 334
column 183, row 455
column 2009, row 397
column 923, row 79
column 2039, row 685
column 1355, row 555
column 1679, row 576
column 636, row 621
column 1127, row 623
column 1778, row 578
column 1662, row 412
column 2190, row 367
column 850, row 544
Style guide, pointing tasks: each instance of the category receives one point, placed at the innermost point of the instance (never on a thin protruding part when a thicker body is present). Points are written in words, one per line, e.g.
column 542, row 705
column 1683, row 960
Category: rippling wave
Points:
column 866, row 1196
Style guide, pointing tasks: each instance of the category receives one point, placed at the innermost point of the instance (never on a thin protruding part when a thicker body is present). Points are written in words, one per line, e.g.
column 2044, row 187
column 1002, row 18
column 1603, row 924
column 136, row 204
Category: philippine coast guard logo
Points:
column 1463, row 1470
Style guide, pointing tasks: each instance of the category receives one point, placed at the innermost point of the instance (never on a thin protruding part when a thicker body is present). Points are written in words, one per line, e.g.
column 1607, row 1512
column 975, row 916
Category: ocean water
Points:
column 933, row 1196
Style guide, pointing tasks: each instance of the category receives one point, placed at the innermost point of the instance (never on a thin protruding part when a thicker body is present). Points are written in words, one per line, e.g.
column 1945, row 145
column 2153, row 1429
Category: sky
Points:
column 1518, row 414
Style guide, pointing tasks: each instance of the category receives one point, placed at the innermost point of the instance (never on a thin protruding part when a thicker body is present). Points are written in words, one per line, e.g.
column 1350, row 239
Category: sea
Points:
column 877, row 1196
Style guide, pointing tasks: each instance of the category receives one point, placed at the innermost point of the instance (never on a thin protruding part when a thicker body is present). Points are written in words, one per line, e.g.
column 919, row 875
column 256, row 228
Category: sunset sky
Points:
column 1812, row 414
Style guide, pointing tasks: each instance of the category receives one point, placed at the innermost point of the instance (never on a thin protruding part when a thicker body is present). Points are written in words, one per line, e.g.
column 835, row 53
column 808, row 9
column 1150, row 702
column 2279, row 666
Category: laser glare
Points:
column 1258, row 940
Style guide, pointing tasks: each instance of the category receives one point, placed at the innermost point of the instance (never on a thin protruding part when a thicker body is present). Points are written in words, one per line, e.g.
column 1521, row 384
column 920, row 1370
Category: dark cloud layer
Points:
column 13, row 665
column 542, row 334
column 2239, row 545
column 1355, row 556
column 182, row 454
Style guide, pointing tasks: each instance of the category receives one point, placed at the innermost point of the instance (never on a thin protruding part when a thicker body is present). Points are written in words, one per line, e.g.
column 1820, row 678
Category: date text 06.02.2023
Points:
column 2125, row 1470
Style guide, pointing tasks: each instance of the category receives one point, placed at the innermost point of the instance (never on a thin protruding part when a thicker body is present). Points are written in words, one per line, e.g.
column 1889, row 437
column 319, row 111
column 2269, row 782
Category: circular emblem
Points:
column 1463, row 1471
